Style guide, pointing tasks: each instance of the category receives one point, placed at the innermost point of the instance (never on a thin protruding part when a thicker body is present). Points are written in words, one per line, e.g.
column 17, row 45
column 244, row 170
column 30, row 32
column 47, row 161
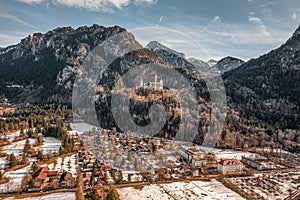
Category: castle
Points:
column 152, row 85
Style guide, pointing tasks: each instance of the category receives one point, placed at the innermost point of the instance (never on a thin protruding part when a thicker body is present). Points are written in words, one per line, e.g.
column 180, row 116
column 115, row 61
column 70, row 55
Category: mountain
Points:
column 203, row 66
column 262, row 94
column 168, row 55
column 227, row 64
column 42, row 67
column 265, row 92
column 211, row 62
column 139, row 107
column 155, row 46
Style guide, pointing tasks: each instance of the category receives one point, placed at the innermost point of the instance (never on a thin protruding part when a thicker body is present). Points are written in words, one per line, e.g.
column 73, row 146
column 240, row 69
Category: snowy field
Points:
column 11, row 136
column 17, row 147
column 56, row 196
column 225, row 153
column 15, row 180
column 212, row 190
column 50, row 145
column 3, row 161
column 81, row 127
column 67, row 164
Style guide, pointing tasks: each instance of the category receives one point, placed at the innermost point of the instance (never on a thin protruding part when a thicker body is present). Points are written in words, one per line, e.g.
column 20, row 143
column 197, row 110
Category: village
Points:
column 109, row 161
column 124, row 159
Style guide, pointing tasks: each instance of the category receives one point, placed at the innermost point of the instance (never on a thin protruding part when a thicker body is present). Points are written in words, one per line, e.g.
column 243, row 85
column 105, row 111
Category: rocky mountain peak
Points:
column 212, row 62
column 156, row 46
column 199, row 63
column 63, row 29
column 227, row 64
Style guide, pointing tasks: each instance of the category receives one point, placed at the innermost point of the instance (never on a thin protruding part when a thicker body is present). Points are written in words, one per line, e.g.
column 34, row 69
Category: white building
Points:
column 192, row 156
column 230, row 166
column 155, row 85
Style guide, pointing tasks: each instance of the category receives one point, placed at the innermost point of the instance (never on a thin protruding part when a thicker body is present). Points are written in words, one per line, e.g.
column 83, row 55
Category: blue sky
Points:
column 239, row 28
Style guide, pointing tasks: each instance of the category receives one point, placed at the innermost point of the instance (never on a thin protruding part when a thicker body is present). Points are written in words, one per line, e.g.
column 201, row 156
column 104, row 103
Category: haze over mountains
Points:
column 263, row 93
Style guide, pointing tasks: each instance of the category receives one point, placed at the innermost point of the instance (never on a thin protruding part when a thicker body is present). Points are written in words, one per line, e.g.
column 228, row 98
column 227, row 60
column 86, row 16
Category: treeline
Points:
column 31, row 116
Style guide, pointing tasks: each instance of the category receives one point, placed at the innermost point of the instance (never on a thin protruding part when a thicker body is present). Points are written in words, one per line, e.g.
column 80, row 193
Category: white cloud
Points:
column 294, row 16
column 30, row 1
column 216, row 19
column 18, row 20
column 95, row 5
column 137, row 2
column 259, row 22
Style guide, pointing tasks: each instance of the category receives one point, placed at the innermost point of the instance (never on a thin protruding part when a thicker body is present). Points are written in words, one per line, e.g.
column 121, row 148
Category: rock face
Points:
column 212, row 62
column 201, row 65
column 168, row 55
column 45, row 65
column 227, row 64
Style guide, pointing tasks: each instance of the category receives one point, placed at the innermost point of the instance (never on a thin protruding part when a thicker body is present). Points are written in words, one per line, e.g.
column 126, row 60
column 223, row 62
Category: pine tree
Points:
column 69, row 126
column 92, row 180
column 61, row 150
column 113, row 195
column 93, row 195
column 13, row 160
column 27, row 146
column 94, row 171
column 1, row 175
column 22, row 134
column 34, row 167
column 40, row 155
column 39, row 140
column 80, row 186
column 24, row 159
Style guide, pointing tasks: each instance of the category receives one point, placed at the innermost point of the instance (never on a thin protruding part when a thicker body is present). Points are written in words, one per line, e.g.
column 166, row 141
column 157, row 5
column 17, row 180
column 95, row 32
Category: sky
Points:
column 239, row 28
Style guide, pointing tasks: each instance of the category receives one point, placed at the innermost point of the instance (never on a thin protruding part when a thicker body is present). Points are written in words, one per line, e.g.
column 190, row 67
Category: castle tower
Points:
column 161, row 84
column 142, row 83
column 155, row 82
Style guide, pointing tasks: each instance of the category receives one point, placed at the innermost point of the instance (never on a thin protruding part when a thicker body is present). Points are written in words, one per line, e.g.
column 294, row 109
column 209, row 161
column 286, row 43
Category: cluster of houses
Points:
column 135, row 159
column 46, row 179
column 93, row 171
column 197, row 160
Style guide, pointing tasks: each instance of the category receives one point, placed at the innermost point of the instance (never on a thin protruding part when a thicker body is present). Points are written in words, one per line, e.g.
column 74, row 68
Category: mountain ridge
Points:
column 263, row 93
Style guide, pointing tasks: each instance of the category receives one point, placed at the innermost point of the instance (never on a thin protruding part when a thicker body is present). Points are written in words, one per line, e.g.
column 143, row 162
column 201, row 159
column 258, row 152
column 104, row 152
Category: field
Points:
column 180, row 190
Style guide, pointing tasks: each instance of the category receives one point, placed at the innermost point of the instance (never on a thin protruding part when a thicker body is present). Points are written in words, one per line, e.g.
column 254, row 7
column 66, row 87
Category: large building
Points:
column 230, row 166
column 156, row 85
column 192, row 156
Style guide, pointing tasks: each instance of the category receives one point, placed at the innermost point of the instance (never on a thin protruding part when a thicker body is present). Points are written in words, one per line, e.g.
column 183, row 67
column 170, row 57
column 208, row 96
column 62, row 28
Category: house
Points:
column 43, row 173
column 67, row 179
column 82, row 149
column 52, row 173
column 42, row 176
column 197, row 161
column 189, row 154
column 101, row 193
column 230, row 166
column 32, row 155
